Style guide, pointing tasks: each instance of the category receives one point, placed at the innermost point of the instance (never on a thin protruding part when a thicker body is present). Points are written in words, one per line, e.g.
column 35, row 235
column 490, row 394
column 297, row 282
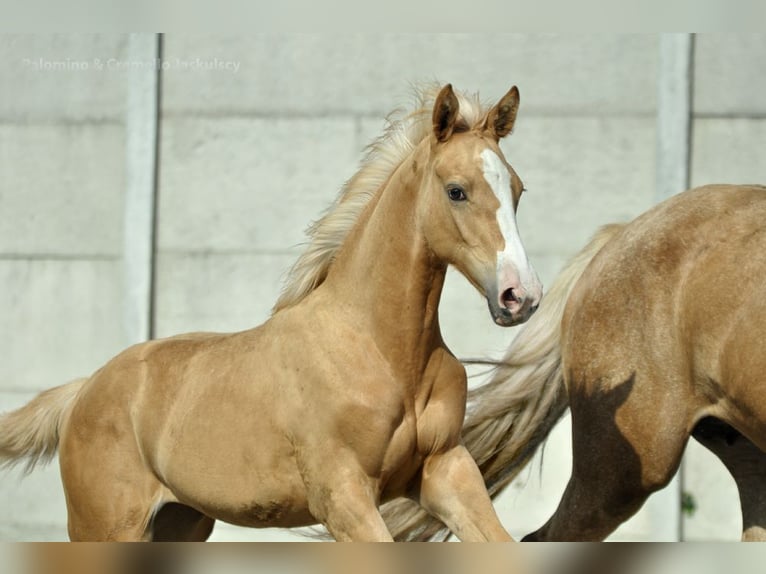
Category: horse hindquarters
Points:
column 111, row 494
column 619, row 458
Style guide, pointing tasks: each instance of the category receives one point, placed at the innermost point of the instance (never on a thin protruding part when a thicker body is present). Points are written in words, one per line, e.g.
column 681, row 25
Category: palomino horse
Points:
column 346, row 397
column 653, row 333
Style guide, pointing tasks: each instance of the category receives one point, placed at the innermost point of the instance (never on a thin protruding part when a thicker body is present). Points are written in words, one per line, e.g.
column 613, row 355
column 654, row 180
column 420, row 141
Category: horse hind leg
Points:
column 619, row 458
column 110, row 493
column 108, row 515
column 747, row 465
column 128, row 511
column 108, row 502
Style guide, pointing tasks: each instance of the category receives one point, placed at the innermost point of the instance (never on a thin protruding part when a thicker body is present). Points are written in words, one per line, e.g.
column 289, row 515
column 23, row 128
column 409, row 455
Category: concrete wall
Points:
column 62, row 176
column 249, row 157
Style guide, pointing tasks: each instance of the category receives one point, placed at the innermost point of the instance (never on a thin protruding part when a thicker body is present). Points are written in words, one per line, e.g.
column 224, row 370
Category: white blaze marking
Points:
column 513, row 255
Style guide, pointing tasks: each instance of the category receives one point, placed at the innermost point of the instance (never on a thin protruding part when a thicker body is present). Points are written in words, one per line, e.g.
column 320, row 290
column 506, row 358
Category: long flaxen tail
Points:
column 511, row 415
column 31, row 433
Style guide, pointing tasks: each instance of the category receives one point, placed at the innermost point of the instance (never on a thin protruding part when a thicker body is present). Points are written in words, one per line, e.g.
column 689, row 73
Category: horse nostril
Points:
column 509, row 296
column 533, row 308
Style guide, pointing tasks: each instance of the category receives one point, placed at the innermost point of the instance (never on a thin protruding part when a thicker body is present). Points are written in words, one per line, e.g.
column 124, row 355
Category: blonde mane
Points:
column 403, row 132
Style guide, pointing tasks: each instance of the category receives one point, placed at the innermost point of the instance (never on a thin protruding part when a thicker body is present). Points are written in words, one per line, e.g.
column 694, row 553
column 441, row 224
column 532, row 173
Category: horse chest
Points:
column 429, row 428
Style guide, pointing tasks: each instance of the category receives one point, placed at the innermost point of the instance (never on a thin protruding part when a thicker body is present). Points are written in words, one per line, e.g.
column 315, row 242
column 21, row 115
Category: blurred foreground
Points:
column 383, row 559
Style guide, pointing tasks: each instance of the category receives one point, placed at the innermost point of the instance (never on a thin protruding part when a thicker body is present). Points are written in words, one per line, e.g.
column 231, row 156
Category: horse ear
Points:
column 501, row 118
column 445, row 113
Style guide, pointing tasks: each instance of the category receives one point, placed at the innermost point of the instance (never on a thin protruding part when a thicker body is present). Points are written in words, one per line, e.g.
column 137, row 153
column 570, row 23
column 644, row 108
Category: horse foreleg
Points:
column 626, row 444
column 747, row 465
column 452, row 489
column 355, row 518
column 343, row 498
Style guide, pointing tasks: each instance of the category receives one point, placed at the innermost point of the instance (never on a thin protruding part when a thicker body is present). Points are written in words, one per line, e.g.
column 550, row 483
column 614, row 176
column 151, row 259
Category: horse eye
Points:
column 456, row 193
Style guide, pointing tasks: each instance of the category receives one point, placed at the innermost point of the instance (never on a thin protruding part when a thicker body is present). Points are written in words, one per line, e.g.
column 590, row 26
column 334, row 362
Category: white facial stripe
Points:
column 499, row 181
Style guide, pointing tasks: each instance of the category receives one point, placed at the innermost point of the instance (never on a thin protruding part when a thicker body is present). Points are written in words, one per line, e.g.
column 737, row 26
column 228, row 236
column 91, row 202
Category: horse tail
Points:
column 510, row 416
column 32, row 432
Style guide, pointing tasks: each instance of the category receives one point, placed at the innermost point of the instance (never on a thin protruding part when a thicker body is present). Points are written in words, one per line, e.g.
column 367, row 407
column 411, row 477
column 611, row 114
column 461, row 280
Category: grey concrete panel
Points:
column 580, row 173
column 61, row 320
column 673, row 130
column 728, row 151
column 216, row 292
column 55, row 77
column 368, row 73
column 730, row 74
column 61, row 189
column 249, row 183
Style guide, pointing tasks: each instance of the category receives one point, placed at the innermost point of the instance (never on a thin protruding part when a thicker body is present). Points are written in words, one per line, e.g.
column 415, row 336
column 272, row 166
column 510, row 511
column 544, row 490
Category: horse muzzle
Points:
column 515, row 304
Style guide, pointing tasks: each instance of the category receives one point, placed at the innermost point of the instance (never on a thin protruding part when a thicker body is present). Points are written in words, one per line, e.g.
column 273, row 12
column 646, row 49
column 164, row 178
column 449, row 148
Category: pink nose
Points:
column 517, row 300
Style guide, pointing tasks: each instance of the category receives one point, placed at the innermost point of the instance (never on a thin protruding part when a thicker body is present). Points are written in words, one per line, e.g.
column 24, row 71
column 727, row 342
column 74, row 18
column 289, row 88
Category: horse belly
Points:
column 240, row 482
column 263, row 502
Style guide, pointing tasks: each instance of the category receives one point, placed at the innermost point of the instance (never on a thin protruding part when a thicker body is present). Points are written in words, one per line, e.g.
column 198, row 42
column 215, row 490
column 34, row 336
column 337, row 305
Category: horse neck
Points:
column 386, row 276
